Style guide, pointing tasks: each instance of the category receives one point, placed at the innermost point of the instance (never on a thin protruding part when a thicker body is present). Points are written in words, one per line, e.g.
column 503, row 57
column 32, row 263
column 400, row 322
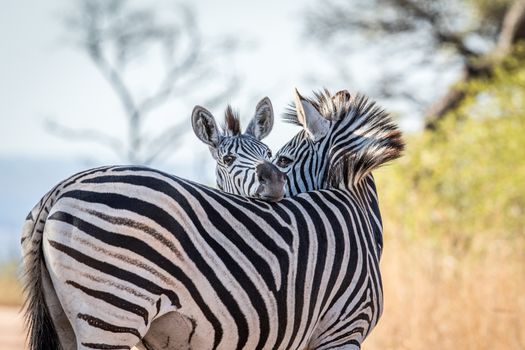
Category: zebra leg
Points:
column 63, row 328
column 171, row 331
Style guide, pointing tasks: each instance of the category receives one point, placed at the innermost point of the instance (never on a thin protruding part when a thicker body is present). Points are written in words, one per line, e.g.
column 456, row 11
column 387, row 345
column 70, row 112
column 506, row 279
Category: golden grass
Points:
column 434, row 300
column 10, row 287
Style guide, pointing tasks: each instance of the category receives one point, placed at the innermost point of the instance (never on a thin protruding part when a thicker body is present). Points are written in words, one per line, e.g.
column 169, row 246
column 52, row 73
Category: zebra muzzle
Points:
column 271, row 182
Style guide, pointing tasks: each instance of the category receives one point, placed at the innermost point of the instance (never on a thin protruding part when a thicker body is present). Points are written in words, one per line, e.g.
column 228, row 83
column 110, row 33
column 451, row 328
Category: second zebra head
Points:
column 243, row 161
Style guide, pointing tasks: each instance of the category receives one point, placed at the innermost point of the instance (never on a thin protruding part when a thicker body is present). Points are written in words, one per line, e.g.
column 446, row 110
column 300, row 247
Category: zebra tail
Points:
column 42, row 334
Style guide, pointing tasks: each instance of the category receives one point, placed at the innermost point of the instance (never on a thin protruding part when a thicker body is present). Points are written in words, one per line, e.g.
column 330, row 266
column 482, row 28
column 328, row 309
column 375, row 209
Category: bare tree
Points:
column 114, row 34
column 476, row 34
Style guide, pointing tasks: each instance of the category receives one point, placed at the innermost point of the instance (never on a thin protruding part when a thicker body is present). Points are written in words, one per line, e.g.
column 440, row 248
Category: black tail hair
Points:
column 42, row 334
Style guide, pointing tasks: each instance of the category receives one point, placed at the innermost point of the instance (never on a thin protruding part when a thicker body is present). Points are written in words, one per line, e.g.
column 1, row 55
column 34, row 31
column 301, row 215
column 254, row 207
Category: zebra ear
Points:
column 262, row 122
column 310, row 118
column 205, row 127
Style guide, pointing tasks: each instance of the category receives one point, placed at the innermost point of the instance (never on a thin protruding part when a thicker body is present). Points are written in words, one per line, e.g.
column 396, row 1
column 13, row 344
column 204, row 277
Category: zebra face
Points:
column 303, row 158
column 343, row 139
column 299, row 160
column 243, row 161
column 244, row 168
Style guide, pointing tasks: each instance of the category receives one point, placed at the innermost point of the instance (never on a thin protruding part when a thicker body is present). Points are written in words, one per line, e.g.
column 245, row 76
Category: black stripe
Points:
column 113, row 300
column 72, row 179
column 157, row 305
column 105, row 346
column 101, row 324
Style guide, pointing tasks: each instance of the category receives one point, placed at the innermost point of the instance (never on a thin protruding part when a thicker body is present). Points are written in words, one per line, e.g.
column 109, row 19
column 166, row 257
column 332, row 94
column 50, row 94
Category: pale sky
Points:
column 41, row 77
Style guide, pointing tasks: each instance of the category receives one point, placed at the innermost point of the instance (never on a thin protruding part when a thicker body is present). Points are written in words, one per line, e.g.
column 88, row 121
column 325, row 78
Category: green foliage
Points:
column 490, row 11
column 466, row 180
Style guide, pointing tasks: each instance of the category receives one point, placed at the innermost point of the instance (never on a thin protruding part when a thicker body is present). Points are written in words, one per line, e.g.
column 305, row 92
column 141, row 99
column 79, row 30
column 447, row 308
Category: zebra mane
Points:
column 376, row 139
column 232, row 123
column 332, row 108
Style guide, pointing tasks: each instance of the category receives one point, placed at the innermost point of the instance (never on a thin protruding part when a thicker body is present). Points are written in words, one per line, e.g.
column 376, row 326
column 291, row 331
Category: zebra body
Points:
column 125, row 246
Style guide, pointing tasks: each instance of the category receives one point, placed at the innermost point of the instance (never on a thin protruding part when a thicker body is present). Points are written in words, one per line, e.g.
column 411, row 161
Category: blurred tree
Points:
column 114, row 35
column 476, row 34
column 462, row 181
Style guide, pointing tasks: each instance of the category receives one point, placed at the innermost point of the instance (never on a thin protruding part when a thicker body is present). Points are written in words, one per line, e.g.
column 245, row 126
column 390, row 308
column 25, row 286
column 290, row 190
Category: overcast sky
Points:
column 42, row 77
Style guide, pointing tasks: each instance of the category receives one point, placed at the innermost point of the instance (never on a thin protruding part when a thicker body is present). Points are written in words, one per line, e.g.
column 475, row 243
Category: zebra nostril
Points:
column 271, row 179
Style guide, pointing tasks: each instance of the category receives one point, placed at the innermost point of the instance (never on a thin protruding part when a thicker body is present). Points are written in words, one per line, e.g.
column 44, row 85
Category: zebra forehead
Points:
column 296, row 141
column 243, row 143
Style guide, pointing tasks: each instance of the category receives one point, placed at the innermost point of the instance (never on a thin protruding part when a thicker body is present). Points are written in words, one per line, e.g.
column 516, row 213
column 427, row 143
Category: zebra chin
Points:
column 268, row 196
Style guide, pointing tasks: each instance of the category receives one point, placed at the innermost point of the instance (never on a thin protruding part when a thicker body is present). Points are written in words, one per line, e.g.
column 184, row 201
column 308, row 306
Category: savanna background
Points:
column 91, row 82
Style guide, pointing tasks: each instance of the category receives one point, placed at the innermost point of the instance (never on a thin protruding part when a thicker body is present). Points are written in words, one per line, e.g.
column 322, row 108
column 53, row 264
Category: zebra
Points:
column 117, row 249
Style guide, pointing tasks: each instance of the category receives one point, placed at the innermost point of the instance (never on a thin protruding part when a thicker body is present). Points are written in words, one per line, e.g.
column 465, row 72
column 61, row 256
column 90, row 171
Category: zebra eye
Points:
column 283, row 161
column 269, row 154
column 228, row 159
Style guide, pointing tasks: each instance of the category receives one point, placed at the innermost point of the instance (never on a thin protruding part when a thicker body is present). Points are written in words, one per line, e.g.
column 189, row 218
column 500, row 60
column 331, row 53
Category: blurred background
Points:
column 91, row 82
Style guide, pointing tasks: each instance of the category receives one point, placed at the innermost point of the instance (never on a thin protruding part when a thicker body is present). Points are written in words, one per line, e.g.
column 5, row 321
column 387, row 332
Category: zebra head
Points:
column 243, row 161
column 343, row 138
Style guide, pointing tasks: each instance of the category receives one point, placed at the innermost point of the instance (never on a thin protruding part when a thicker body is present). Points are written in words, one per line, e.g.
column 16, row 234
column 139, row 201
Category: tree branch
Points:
column 90, row 135
column 167, row 85
column 513, row 30
column 112, row 33
column 164, row 142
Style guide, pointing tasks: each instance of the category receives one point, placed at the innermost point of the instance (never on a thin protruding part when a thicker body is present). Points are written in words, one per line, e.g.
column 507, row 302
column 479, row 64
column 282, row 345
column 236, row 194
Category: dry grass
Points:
column 437, row 301
column 10, row 287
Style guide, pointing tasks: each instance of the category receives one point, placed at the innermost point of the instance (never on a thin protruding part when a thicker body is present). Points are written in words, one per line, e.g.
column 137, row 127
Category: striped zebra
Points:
column 117, row 254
